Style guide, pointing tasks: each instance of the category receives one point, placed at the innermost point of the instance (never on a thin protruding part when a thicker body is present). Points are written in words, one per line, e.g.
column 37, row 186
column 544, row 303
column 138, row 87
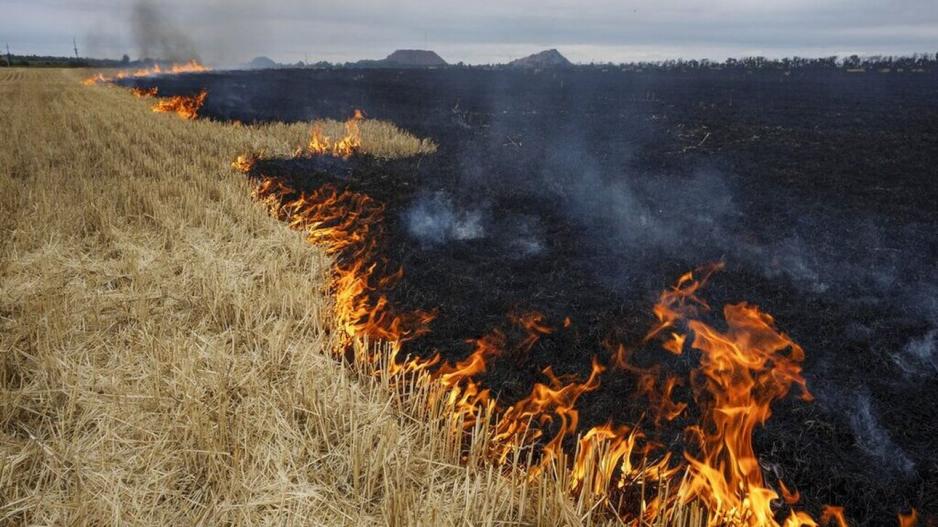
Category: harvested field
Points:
column 501, row 331
column 166, row 349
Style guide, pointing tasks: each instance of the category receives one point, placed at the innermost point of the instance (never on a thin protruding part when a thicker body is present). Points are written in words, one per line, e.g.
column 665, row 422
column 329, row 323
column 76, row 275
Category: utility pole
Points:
column 9, row 56
column 75, row 46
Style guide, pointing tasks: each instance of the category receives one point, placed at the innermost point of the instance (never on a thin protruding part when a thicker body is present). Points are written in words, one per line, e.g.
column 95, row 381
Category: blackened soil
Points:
column 584, row 193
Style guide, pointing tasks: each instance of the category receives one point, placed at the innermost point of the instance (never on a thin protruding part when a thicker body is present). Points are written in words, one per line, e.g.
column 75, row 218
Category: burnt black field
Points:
column 583, row 193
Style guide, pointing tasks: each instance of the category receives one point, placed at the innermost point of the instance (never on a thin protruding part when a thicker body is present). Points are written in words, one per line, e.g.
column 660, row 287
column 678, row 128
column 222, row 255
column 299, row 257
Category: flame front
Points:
column 144, row 92
column 742, row 370
column 193, row 66
column 186, row 107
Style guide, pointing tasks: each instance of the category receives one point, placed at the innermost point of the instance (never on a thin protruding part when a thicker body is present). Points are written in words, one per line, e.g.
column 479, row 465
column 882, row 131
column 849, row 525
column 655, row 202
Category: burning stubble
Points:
column 645, row 207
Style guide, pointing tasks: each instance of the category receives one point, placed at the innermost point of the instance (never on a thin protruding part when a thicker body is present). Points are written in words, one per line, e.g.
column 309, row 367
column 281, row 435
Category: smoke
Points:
column 156, row 36
column 433, row 220
column 873, row 438
column 219, row 32
column 919, row 357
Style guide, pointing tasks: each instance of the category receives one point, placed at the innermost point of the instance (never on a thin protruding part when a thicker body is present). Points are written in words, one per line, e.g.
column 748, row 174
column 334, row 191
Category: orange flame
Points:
column 791, row 497
column 832, row 513
column 548, row 406
column 350, row 226
column 193, row 66
column 908, row 520
column 743, row 369
column 183, row 106
column 144, row 92
column 244, row 163
column 94, row 79
column 320, row 144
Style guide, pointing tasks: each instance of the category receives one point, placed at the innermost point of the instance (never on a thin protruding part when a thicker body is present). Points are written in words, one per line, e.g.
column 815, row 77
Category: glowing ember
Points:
column 183, row 106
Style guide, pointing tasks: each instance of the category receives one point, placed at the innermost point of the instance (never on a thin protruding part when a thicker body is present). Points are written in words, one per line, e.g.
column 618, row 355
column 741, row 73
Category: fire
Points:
column 790, row 497
column 193, row 66
column 908, row 520
column 743, row 368
column 144, row 92
column 185, row 107
column 833, row 514
column 244, row 163
column 549, row 406
column 350, row 226
column 321, row 144
column 94, row 79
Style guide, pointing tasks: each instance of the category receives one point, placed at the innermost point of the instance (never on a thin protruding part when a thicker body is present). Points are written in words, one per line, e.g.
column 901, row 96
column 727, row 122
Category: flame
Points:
column 742, row 370
column 908, row 520
column 193, row 66
column 548, row 406
column 350, row 226
column 320, row 144
column 144, row 92
column 791, row 497
column 244, row 163
column 94, row 79
column 183, row 106
column 832, row 513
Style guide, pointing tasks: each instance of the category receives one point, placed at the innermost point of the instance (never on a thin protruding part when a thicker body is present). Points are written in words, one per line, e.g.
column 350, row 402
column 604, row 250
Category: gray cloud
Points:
column 487, row 30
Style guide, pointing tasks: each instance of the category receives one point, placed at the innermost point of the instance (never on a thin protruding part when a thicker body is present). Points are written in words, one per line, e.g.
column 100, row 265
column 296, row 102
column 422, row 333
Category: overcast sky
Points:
column 473, row 31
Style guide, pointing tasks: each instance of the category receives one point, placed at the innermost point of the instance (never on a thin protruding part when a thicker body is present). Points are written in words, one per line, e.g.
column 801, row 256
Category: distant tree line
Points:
column 914, row 62
column 48, row 61
column 853, row 62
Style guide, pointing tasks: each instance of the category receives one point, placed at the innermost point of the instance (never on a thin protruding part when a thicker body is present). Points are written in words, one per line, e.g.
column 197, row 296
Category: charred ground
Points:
column 582, row 194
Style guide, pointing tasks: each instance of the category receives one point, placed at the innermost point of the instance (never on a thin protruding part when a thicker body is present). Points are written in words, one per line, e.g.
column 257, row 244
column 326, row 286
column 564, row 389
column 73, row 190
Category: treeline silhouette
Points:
column 883, row 63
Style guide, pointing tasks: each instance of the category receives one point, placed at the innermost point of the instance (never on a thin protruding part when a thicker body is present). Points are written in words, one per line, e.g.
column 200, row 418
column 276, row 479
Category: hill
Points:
column 550, row 58
column 406, row 58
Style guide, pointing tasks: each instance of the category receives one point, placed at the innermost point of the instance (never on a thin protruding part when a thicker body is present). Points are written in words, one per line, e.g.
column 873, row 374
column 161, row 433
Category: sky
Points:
column 228, row 32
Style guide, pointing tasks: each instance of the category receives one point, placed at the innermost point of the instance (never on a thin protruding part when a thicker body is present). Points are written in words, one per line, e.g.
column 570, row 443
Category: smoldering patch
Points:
column 434, row 219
